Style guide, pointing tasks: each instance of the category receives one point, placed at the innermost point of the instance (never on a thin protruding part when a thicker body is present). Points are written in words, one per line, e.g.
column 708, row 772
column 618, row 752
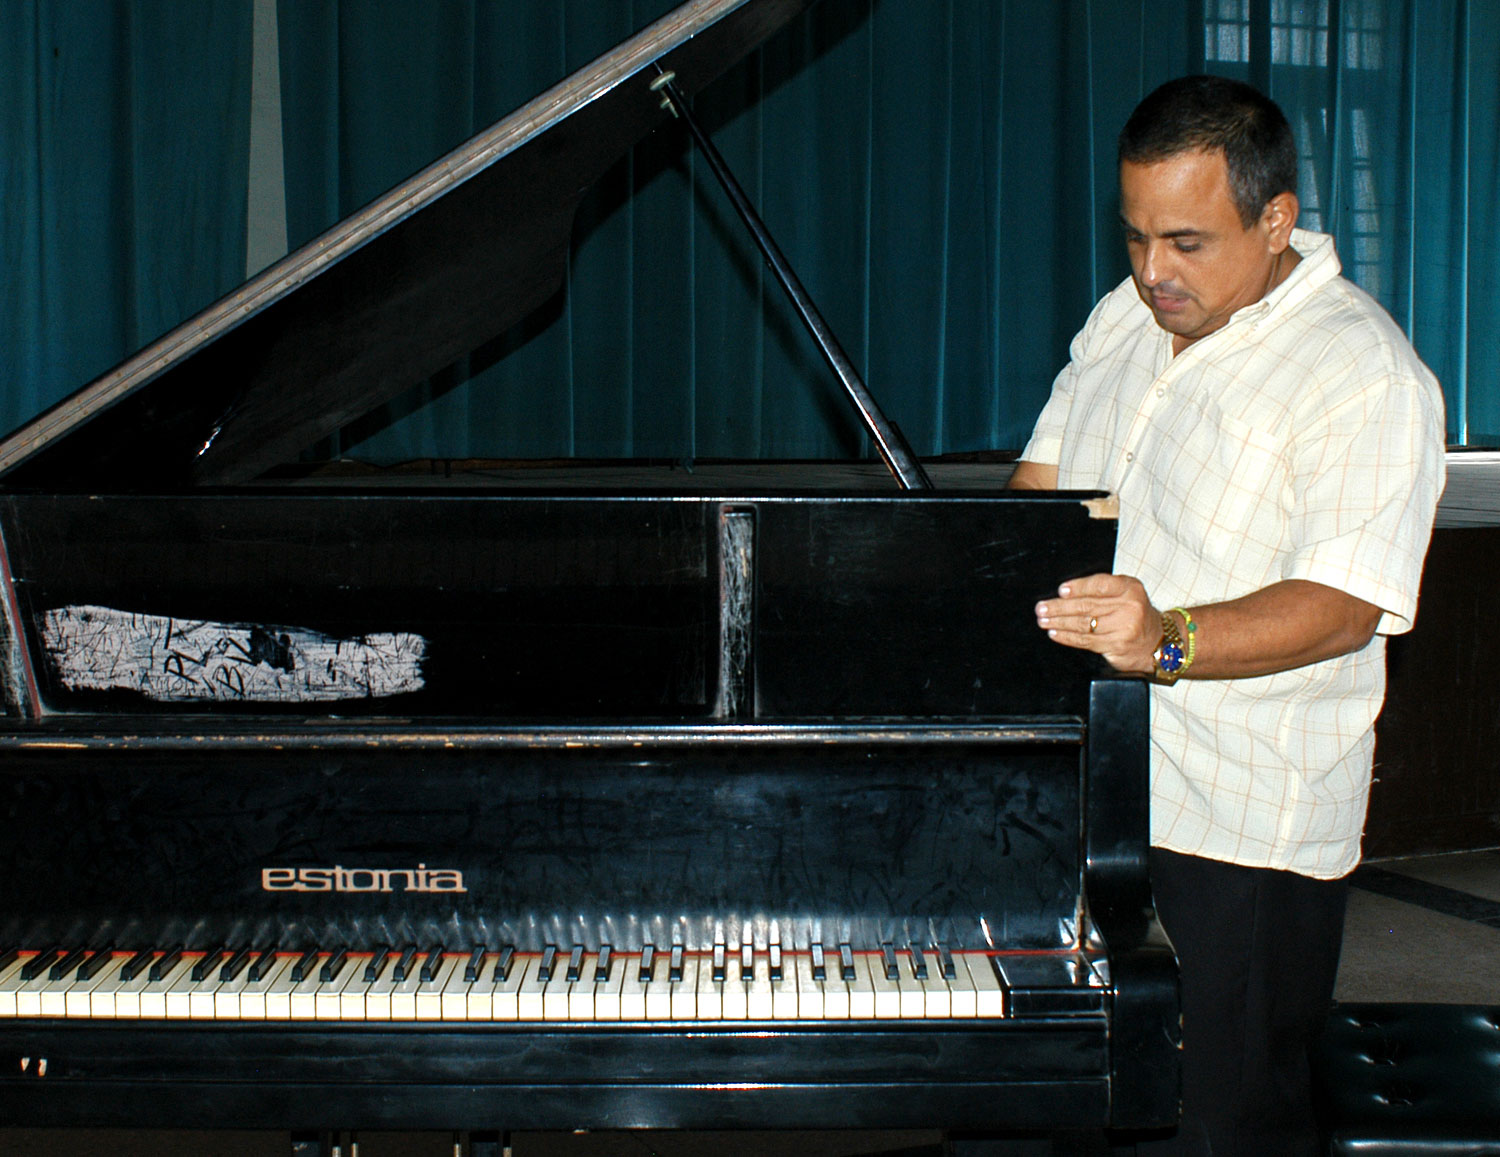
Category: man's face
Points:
column 1194, row 262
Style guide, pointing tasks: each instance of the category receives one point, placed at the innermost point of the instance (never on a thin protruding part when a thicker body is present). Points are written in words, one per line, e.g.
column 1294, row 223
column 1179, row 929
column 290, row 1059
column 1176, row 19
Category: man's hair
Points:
column 1215, row 114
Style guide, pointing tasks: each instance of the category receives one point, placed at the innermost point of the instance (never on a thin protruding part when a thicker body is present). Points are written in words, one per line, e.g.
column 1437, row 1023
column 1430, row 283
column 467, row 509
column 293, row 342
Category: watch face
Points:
column 1171, row 657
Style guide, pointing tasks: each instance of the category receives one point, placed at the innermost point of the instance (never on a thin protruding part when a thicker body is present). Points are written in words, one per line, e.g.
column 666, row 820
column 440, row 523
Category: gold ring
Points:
column 1093, row 625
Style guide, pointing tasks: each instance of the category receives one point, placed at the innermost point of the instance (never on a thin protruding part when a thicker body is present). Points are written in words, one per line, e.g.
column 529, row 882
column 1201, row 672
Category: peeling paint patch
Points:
column 177, row 660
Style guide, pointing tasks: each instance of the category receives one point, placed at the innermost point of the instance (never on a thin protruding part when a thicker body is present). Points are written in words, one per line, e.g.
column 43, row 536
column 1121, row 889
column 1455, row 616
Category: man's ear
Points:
column 1278, row 218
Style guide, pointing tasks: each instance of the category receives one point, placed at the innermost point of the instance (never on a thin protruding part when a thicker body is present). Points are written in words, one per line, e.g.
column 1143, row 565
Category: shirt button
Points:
column 1129, row 457
column 1161, row 393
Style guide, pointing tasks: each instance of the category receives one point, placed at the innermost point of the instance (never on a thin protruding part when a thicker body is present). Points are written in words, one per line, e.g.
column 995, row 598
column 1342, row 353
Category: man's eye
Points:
column 1189, row 246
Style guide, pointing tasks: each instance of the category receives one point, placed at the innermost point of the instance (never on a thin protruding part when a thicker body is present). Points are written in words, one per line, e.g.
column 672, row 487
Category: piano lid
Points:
column 426, row 273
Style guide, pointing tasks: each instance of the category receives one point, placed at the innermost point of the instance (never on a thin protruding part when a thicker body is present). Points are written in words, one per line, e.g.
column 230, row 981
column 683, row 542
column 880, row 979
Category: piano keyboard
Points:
column 556, row 984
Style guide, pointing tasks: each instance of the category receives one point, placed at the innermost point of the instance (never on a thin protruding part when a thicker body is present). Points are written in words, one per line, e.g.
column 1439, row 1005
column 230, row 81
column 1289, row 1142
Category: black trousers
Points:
column 1259, row 953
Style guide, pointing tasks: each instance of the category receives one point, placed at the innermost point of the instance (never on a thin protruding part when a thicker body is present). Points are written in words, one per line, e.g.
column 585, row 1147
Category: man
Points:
column 1277, row 450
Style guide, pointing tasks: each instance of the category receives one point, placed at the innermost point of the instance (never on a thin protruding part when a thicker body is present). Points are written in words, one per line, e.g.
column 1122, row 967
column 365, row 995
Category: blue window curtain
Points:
column 123, row 158
column 941, row 172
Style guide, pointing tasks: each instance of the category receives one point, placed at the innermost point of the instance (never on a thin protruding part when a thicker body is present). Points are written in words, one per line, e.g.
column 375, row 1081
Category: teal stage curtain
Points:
column 123, row 158
column 941, row 172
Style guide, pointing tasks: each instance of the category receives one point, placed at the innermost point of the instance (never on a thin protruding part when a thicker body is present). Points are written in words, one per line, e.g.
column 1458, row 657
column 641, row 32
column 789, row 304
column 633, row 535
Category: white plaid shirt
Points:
column 1303, row 440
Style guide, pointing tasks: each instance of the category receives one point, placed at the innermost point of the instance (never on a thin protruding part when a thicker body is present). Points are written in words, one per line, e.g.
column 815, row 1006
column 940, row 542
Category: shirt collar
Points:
column 1319, row 265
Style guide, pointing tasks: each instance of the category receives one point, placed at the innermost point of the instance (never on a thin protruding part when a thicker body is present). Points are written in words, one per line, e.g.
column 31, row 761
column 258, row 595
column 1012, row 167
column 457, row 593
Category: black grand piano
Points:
column 417, row 803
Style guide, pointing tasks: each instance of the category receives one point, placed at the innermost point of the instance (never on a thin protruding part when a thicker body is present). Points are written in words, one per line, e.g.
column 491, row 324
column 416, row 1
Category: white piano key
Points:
column 937, row 999
column 127, row 993
column 785, row 1003
column 302, row 999
column 685, row 991
column 533, row 987
column 836, row 1002
column 862, row 987
column 505, row 999
column 913, row 991
column 659, row 991
column 555, row 994
column 430, row 992
column 227, row 995
column 759, row 999
column 253, row 994
column 809, row 988
column 153, row 996
column 328, row 1000
column 454, row 998
column 479, row 995
column 965, row 998
column 885, row 991
column 607, row 1002
column 581, row 991
column 54, row 994
column 989, row 993
column 378, row 991
column 10, row 982
column 80, row 998
column 632, row 988
column 351, row 997
column 404, row 994
column 736, row 990
column 278, row 992
column 710, row 994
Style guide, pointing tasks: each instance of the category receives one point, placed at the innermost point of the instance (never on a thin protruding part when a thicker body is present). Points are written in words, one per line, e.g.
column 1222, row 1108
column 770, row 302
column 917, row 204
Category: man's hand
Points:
column 1287, row 624
column 1106, row 613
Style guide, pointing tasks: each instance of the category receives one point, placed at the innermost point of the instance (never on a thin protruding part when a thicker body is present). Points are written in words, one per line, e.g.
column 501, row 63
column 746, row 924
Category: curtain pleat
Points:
column 940, row 172
column 124, row 136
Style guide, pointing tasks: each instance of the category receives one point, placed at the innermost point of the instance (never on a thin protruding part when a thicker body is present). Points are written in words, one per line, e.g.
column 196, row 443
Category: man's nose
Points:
column 1154, row 262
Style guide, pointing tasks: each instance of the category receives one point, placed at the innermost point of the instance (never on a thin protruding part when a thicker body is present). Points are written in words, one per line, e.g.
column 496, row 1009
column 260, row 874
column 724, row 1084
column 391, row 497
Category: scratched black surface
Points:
column 858, row 841
column 602, row 607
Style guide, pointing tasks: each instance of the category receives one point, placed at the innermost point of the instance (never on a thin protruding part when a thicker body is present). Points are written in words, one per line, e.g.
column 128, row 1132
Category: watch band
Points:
column 1171, row 658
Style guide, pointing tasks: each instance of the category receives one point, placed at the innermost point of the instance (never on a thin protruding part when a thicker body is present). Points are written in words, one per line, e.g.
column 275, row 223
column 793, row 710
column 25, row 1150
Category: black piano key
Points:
column 503, row 962
column 263, row 965
column 67, row 963
column 918, row 963
column 575, row 964
column 747, row 960
column 604, row 964
column 776, row 969
column 819, row 966
column 8, row 957
column 476, row 962
column 846, row 961
column 236, row 964
column 999, row 973
column 403, row 966
column 945, row 962
column 305, row 965
column 888, row 960
column 165, row 963
column 431, row 965
column 378, row 960
column 720, row 961
column 39, row 963
column 648, row 963
column 132, row 967
column 674, row 965
column 549, row 962
column 333, row 966
column 91, row 967
column 205, row 966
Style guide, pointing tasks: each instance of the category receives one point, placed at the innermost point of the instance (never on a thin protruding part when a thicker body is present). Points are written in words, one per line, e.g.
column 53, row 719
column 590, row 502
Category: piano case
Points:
column 463, row 806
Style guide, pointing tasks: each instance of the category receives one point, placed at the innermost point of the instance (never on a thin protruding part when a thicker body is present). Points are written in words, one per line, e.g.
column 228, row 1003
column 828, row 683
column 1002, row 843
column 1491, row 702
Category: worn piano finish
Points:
column 244, row 714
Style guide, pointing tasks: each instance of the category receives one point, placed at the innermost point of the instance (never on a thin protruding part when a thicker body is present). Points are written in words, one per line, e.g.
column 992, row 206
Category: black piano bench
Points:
column 1395, row 1080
